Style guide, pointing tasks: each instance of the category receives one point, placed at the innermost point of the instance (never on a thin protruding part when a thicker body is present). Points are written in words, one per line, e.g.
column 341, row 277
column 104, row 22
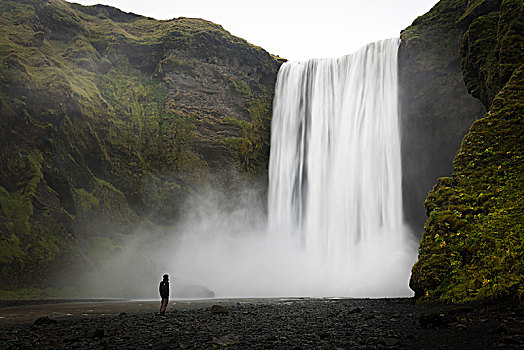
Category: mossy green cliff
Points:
column 473, row 242
column 109, row 120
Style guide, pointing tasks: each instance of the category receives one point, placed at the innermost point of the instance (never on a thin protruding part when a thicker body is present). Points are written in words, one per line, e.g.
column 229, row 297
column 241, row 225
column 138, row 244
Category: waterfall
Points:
column 334, row 209
column 335, row 171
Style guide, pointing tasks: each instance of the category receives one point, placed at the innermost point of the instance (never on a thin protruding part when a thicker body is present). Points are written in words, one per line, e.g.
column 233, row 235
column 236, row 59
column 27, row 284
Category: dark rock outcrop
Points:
column 219, row 309
column 109, row 120
column 473, row 241
column 42, row 321
column 436, row 109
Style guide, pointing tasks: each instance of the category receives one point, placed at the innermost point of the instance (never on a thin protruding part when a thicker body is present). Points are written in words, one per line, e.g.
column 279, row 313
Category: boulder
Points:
column 41, row 321
column 218, row 309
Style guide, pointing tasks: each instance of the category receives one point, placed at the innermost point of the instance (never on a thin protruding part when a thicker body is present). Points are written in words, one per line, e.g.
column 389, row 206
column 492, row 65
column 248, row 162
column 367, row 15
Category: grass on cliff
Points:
column 473, row 244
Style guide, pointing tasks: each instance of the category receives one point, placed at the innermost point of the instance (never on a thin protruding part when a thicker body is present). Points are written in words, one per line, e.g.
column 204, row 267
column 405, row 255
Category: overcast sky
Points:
column 293, row 29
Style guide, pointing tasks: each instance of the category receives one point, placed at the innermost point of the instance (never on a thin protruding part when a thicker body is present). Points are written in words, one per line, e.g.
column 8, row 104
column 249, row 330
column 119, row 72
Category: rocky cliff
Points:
column 109, row 120
column 436, row 108
column 473, row 241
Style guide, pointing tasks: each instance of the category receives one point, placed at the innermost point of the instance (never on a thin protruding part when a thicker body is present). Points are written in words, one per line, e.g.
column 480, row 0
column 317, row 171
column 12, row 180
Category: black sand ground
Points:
column 265, row 324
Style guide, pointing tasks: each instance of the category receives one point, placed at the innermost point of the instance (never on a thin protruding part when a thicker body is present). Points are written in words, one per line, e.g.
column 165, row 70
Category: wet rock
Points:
column 218, row 309
column 44, row 321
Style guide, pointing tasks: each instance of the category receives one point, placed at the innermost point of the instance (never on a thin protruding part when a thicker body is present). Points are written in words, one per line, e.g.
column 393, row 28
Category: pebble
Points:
column 304, row 324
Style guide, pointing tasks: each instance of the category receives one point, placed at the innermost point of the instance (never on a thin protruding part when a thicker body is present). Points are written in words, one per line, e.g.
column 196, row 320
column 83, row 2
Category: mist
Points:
column 223, row 248
column 234, row 254
column 334, row 224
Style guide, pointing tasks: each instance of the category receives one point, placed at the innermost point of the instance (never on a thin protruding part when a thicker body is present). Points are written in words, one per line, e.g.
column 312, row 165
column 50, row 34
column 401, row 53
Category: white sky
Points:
column 293, row 29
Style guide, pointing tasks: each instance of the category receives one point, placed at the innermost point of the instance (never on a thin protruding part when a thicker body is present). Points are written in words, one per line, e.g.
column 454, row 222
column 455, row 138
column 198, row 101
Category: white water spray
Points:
column 335, row 213
column 335, row 171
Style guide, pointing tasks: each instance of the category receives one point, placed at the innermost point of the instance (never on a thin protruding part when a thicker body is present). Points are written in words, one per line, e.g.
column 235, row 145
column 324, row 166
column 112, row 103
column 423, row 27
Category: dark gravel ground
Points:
column 286, row 324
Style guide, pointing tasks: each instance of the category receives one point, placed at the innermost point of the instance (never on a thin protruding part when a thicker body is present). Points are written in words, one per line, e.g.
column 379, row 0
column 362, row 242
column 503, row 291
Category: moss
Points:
column 143, row 126
column 472, row 247
column 86, row 200
column 492, row 49
column 89, row 123
column 478, row 8
column 253, row 147
column 510, row 46
column 10, row 249
column 241, row 87
column 473, row 243
column 17, row 206
column 479, row 61
column 174, row 63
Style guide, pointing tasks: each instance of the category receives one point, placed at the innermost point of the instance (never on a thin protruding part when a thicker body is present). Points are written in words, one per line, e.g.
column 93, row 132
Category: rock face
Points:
column 109, row 120
column 436, row 109
column 473, row 241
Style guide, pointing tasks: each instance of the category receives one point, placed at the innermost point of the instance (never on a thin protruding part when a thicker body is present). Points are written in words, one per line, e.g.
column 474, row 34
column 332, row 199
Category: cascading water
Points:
column 335, row 171
column 335, row 212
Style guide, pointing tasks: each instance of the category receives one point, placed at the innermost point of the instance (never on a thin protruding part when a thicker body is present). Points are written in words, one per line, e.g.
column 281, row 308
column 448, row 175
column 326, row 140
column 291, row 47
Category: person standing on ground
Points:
column 164, row 294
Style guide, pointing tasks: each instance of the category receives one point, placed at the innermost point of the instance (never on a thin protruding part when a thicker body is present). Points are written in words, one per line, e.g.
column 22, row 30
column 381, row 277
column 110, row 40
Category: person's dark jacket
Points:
column 164, row 289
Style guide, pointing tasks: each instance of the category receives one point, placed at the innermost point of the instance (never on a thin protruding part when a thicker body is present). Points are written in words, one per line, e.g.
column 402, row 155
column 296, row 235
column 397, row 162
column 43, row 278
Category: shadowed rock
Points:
column 218, row 309
column 44, row 321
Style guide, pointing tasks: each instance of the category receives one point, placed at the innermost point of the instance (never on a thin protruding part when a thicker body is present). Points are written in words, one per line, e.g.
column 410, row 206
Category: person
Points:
column 164, row 294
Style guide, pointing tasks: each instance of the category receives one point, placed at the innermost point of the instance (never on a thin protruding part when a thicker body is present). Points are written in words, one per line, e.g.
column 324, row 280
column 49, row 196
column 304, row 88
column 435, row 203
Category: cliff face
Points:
column 473, row 242
column 436, row 109
column 109, row 120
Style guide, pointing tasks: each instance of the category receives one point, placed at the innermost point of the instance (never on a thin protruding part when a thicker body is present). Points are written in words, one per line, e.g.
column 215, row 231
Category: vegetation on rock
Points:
column 436, row 109
column 109, row 120
column 473, row 242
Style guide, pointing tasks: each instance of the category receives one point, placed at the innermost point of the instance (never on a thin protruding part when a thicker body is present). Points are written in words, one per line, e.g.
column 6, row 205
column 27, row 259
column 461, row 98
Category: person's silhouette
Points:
column 164, row 294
